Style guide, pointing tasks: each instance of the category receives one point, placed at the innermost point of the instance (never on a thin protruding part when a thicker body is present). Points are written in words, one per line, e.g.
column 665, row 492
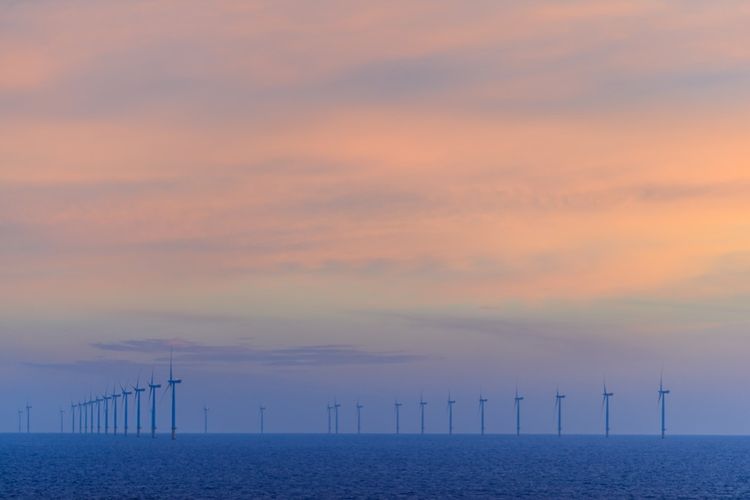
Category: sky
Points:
column 377, row 200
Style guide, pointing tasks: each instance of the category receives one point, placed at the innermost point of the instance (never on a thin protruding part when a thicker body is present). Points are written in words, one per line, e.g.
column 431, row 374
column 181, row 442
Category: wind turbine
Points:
column 28, row 418
column 125, row 394
column 517, row 405
column 482, row 402
column 114, row 397
column 451, row 402
column 20, row 416
column 205, row 419
column 605, row 402
column 62, row 415
column 85, row 405
column 359, row 417
column 98, row 402
column 72, row 418
column 398, row 406
column 329, row 408
column 558, row 406
column 106, row 411
column 336, row 406
column 663, row 400
column 80, row 417
column 91, row 405
column 173, row 386
column 152, row 394
column 422, row 404
column 262, row 411
column 138, row 390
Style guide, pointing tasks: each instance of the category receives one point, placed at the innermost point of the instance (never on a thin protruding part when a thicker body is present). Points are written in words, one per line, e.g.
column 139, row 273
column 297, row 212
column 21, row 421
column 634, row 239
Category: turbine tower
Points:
column 28, row 418
column 106, row 411
column 205, row 419
column 262, row 411
column 152, row 394
column 336, row 406
column 80, row 417
column 329, row 408
column 91, row 405
column 72, row 418
column 20, row 419
column 398, row 406
column 114, row 397
column 173, row 386
column 85, row 405
column 422, row 404
column 558, row 406
column 663, row 400
column 62, row 416
column 517, row 405
column 359, row 417
column 125, row 394
column 138, row 390
column 98, row 402
column 451, row 402
column 605, row 402
column 482, row 402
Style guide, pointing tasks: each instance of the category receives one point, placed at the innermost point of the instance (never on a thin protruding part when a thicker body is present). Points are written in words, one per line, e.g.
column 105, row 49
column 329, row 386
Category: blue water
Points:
column 247, row 466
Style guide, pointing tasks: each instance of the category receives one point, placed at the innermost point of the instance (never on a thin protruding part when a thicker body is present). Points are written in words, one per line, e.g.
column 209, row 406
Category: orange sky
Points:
column 311, row 158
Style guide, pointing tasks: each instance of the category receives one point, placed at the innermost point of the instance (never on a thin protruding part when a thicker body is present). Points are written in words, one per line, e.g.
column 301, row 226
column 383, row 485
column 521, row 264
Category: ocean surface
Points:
column 350, row 466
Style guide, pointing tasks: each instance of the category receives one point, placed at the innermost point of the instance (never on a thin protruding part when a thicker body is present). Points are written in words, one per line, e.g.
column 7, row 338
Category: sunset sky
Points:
column 357, row 199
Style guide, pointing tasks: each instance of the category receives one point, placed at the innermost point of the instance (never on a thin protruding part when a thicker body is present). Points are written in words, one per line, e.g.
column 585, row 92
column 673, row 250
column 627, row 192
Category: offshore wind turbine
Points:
column 517, row 405
column 451, row 402
column 205, row 419
column 91, row 405
column 20, row 417
column 336, row 406
column 114, row 397
column 125, row 394
column 482, row 402
column 663, row 400
column 329, row 408
column 173, row 386
column 86, row 415
column 152, row 394
column 138, row 390
column 558, row 406
column 106, row 411
column 359, row 417
column 28, row 418
column 72, row 418
column 98, row 402
column 62, row 416
column 422, row 404
column 605, row 402
column 397, row 407
column 262, row 411
column 80, row 417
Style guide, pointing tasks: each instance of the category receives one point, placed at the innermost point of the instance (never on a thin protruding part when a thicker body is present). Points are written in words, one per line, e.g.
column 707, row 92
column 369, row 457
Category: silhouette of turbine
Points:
column 28, row 418
column 62, row 415
column 114, row 397
column 558, row 406
column 98, row 402
column 336, row 406
column 72, row 418
column 138, row 390
column 152, row 395
column 125, row 393
column 262, row 411
column 20, row 419
column 517, row 405
column 663, row 400
column 329, row 408
column 106, row 411
column 422, row 404
column 205, row 419
column 397, row 407
column 359, row 417
column 451, row 402
column 605, row 402
column 173, row 386
column 482, row 402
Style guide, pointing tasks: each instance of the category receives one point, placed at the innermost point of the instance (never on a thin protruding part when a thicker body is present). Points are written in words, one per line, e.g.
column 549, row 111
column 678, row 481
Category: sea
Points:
column 229, row 466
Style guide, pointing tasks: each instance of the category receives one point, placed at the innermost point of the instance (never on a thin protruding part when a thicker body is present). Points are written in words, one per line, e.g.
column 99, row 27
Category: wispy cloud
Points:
column 306, row 355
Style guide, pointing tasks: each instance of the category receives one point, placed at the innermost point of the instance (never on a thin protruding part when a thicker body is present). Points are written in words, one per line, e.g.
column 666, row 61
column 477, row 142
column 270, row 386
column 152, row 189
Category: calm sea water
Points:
column 246, row 466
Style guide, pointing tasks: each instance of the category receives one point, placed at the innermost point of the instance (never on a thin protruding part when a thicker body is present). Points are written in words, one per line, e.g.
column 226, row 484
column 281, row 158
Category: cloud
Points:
column 308, row 355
